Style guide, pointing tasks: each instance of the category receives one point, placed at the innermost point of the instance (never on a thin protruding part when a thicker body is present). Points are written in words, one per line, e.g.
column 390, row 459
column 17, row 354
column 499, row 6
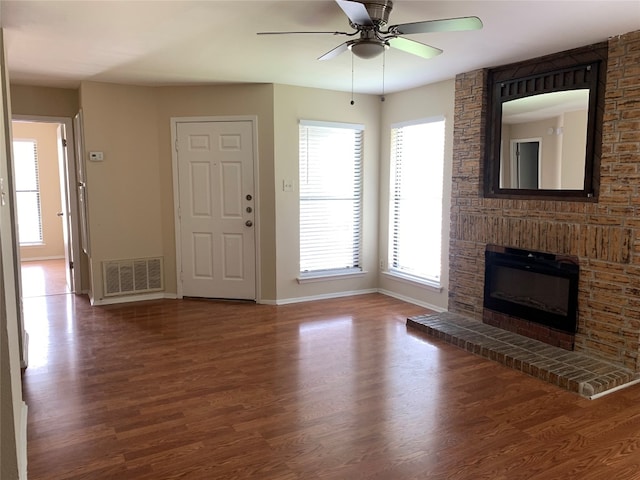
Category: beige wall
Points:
column 290, row 105
column 574, row 146
column 428, row 101
column 130, row 193
column 124, row 193
column 34, row 102
column 220, row 101
column 46, row 137
column 46, row 101
column 131, row 204
column 549, row 145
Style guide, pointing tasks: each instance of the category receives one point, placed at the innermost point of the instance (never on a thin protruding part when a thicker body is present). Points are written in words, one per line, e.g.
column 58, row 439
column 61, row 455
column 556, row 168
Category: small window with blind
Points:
column 330, row 187
column 25, row 155
column 415, row 213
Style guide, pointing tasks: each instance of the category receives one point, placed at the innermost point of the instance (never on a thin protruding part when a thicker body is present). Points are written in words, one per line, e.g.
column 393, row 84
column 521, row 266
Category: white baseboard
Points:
column 22, row 443
column 326, row 296
column 39, row 259
column 614, row 389
column 132, row 298
column 412, row 300
column 282, row 301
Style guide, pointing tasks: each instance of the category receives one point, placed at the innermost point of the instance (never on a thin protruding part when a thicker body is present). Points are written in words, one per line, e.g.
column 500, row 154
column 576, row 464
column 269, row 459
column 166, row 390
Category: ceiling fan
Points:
column 369, row 18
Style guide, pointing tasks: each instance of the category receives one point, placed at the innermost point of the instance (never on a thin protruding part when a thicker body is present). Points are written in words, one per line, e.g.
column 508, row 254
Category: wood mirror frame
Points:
column 581, row 68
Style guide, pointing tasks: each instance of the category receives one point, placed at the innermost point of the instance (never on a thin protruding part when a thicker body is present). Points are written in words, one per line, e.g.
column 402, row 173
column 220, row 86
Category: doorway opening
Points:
column 44, row 178
column 525, row 164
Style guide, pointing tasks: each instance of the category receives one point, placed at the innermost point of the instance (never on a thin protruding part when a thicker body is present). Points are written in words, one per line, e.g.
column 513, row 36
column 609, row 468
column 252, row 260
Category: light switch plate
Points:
column 96, row 156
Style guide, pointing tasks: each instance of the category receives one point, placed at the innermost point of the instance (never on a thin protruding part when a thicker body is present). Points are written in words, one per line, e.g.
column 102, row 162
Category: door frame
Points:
column 176, row 191
column 70, row 196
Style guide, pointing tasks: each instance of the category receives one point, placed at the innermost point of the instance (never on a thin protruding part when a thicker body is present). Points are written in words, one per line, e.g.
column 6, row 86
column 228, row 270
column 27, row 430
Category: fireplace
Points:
column 532, row 293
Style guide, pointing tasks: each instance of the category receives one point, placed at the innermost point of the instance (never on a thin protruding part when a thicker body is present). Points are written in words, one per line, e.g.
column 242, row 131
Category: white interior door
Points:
column 66, row 208
column 216, row 209
column 83, row 209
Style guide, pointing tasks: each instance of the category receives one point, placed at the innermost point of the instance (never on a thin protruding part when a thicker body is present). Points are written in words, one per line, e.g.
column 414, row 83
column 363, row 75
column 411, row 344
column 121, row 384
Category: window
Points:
column 25, row 154
column 417, row 165
column 330, row 198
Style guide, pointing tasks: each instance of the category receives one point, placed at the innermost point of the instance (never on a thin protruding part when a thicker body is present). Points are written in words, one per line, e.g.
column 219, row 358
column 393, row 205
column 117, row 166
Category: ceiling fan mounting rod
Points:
column 378, row 11
column 373, row 33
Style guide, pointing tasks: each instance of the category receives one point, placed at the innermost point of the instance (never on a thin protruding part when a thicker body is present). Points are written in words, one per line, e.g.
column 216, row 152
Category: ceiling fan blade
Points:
column 335, row 52
column 416, row 48
column 304, row 33
column 444, row 25
column 356, row 12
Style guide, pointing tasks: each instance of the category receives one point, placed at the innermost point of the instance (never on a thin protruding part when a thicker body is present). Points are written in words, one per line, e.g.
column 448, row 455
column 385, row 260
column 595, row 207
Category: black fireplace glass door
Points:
column 531, row 289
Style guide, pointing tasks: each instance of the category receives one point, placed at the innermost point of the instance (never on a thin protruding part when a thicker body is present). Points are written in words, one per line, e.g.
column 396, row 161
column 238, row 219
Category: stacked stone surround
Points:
column 604, row 235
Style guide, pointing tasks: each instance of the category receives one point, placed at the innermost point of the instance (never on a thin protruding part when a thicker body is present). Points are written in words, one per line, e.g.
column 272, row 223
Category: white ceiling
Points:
column 60, row 43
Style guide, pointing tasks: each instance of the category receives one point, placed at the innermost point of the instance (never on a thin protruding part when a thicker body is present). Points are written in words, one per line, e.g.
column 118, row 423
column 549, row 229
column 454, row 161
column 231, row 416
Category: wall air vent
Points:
column 125, row 277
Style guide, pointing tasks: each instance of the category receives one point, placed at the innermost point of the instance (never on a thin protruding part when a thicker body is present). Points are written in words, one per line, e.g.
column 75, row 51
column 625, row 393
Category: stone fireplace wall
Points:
column 604, row 235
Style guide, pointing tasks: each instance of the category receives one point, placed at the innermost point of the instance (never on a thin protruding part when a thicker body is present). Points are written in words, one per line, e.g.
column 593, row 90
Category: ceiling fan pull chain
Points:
column 384, row 58
column 352, row 102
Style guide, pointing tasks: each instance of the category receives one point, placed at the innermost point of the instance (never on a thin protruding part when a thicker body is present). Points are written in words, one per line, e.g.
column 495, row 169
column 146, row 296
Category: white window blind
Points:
column 330, row 197
column 417, row 156
column 25, row 154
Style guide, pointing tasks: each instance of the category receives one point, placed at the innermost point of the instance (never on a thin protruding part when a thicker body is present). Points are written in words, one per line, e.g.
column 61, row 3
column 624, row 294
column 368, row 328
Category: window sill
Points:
column 411, row 280
column 33, row 244
column 329, row 276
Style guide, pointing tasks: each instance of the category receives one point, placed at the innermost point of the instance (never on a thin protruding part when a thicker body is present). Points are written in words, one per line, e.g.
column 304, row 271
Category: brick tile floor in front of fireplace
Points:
column 577, row 372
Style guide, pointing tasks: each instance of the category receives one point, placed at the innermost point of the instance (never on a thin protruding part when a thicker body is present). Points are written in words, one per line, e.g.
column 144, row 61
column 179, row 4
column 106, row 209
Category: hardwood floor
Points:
column 335, row 389
column 44, row 277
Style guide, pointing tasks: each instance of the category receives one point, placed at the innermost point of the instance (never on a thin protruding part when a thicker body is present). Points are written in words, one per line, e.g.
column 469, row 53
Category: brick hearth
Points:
column 573, row 371
column 529, row 329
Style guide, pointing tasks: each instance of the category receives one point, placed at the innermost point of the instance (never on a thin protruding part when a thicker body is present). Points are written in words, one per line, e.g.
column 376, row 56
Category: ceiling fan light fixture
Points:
column 367, row 49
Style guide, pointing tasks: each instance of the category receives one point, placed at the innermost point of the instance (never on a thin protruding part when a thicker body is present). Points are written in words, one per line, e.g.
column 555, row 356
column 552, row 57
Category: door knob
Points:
column 60, row 214
column 248, row 223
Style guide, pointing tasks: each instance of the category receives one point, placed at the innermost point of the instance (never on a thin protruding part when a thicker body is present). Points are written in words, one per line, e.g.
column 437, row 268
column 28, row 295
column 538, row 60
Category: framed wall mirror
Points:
column 544, row 127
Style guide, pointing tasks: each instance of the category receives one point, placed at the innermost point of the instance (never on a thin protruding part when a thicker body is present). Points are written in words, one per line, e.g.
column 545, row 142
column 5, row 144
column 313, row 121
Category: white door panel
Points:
column 202, row 255
column 216, row 190
column 65, row 186
column 233, row 256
